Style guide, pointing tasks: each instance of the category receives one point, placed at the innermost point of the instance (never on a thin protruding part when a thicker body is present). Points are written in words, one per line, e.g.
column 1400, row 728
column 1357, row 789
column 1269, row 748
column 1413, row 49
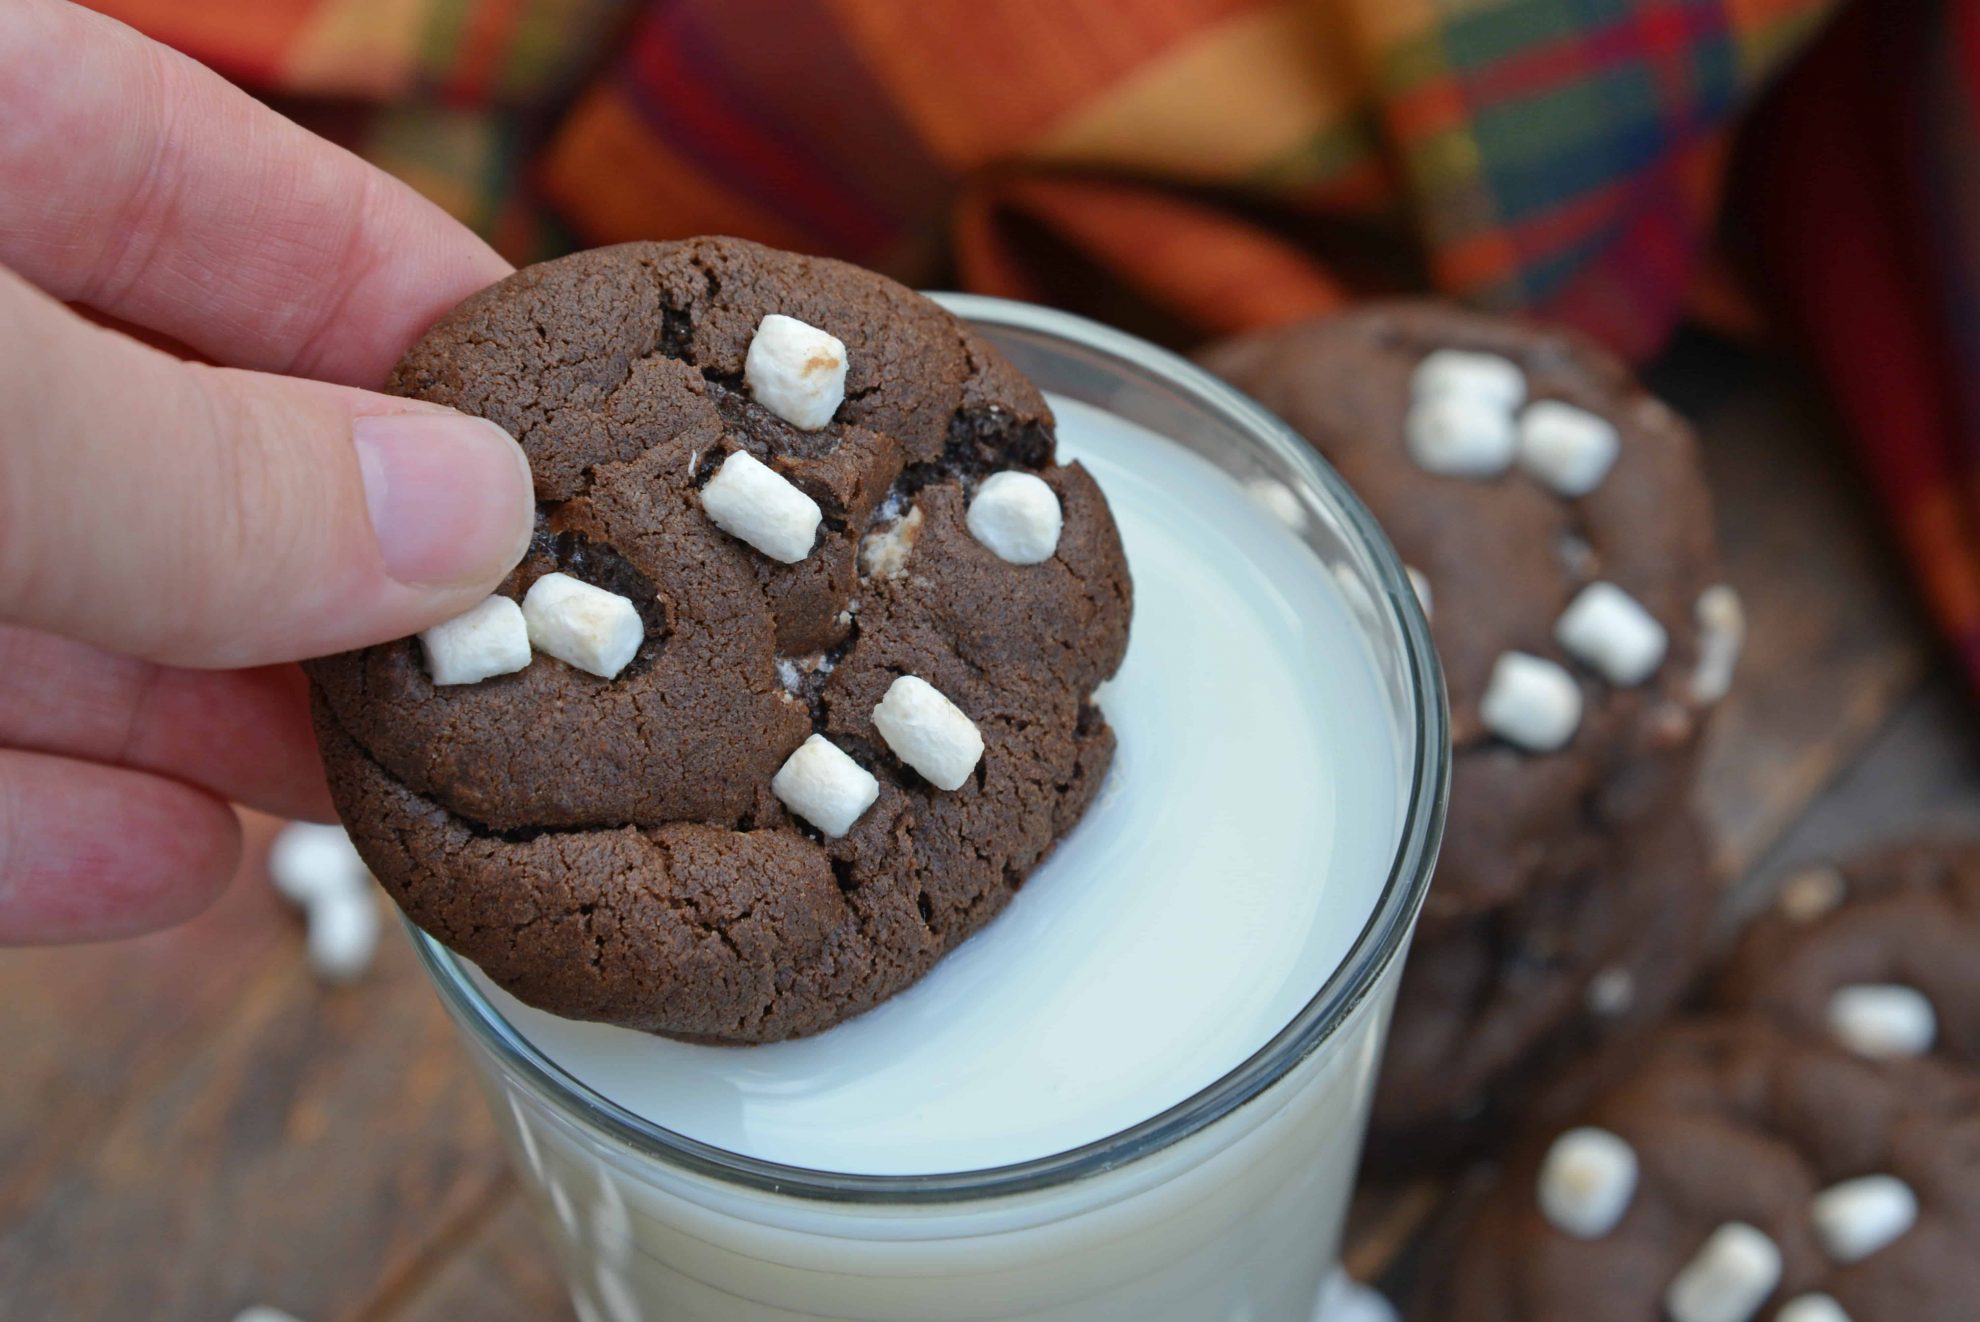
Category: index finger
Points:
column 137, row 182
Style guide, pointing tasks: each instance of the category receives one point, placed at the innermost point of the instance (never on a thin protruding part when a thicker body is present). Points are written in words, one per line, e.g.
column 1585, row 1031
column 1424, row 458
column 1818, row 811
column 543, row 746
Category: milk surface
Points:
column 1236, row 850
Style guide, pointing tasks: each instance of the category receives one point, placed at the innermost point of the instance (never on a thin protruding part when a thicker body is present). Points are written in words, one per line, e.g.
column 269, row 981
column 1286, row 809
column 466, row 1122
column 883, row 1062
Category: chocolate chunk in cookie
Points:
column 680, row 814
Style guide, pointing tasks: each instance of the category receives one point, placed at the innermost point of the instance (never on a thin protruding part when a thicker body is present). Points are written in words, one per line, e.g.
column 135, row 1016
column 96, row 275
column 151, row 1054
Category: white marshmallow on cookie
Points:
column 1459, row 436
column 1881, row 1021
column 796, row 370
column 582, row 625
column 1721, row 636
column 1728, row 1279
column 1017, row 516
column 1569, row 449
column 1812, row 1308
column 1586, row 1182
column 1857, row 1217
column 481, row 642
column 822, row 784
column 1608, row 629
column 1531, row 702
column 753, row 502
column 1484, row 377
column 928, row 732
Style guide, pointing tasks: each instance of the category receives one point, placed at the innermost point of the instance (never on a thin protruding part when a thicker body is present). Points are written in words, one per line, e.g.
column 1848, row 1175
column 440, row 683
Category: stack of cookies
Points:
column 1556, row 522
column 1809, row 1151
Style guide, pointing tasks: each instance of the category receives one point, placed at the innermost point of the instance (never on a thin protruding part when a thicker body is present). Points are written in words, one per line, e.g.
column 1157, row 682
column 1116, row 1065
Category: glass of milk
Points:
column 1139, row 1093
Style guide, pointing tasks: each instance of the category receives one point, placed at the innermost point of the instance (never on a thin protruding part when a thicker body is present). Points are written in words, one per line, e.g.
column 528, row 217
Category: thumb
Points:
column 207, row 517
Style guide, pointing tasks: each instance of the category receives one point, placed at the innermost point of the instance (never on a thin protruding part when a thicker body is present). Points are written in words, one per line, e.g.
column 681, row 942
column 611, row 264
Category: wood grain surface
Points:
column 191, row 1124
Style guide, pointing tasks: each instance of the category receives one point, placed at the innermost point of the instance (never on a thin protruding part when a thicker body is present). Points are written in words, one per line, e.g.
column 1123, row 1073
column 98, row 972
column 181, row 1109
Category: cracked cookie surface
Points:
column 611, row 850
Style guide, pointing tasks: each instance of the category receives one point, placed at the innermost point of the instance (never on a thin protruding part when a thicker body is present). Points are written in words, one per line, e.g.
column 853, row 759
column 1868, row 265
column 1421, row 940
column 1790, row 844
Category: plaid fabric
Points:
column 1191, row 167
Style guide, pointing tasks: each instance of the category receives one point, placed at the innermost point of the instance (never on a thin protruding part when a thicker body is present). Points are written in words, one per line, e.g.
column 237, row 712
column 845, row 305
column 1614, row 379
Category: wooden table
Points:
column 191, row 1124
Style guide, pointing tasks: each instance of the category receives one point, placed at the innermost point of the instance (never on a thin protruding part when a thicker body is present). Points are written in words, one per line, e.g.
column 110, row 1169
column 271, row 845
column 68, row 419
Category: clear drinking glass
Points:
column 1224, row 1208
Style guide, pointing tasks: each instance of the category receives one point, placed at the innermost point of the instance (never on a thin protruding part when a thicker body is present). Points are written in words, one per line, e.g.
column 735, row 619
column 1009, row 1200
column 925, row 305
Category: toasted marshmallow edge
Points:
column 308, row 859
column 1728, row 1279
column 1857, row 1217
column 754, row 503
column 1721, row 637
column 1606, row 628
column 1531, row 702
column 822, row 784
column 796, row 370
column 1811, row 1308
column 1568, row 449
column 582, row 625
column 928, row 732
column 1587, row 1181
column 1880, row 1021
column 1016, row 515
column 1464, row 373
column 488, row 639
column 343, row 934
column 1459, row 436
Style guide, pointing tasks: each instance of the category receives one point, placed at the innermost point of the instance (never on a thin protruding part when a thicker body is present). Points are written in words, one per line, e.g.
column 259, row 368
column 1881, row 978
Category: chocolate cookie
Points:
column 1472, row 465
column 626, row 848
column 1488, row 1009
column 1737, row 1174
column 1881, row 954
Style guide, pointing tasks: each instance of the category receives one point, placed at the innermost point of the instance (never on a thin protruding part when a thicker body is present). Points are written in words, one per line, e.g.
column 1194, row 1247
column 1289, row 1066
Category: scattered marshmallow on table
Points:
column 1569, row 449
column 308, row 859
column 1531, row 702
column 1721, row 635
column 1608, row 629
column 1586, row 1182
column 481, row 642
column 1811, row 1308
column 822, row 784
column 582, row 625
column 1485, row 377
column 928, row 732
column 752, row 501
column 1459, row 436
column 343, row 934
column 796, row 371
column 1882, row 1020
column 1017, row 516
column 1728, row 1279
column 1857, row 1217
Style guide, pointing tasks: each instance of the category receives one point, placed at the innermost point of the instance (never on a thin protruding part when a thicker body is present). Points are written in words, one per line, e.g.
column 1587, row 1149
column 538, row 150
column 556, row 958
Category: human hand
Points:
column 171, row 532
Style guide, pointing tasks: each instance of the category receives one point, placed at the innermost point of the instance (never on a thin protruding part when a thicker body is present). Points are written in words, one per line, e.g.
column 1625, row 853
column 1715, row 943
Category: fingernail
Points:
column 449, row 496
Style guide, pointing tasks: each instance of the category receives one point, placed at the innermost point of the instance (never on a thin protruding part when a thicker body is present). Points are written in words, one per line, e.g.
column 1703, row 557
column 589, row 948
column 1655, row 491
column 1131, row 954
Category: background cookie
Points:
column 613, row 848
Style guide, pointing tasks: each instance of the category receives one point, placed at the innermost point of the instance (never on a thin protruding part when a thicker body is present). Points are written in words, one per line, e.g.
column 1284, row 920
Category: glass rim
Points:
column 1377, row 945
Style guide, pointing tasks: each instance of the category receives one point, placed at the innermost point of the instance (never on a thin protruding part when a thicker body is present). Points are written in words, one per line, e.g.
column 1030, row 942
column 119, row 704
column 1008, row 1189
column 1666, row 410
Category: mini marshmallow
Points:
column 307, row 860
column 1721, row 635
column 1017, row 516
column 796, row 371
column 484, row 641
column 1569, row 449
column 1485, row 377
column 928, row 732
column 1531, row 702
column 1811, row 893
column 884, row 554
column 1459, row 436
column 1606, row 628
column 1811, row 1308
column 823, row 785
column 1727, row 1279
column 1422, row 587
column 1586, row 1182
column 1857, row 1217
column 752, row 501
column 343, row 934
column 1882, row 1020
column 581, row 625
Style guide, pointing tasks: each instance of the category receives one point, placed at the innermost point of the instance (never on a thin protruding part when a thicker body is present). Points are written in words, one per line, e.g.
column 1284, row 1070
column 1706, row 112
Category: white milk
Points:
column 1235, row 852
